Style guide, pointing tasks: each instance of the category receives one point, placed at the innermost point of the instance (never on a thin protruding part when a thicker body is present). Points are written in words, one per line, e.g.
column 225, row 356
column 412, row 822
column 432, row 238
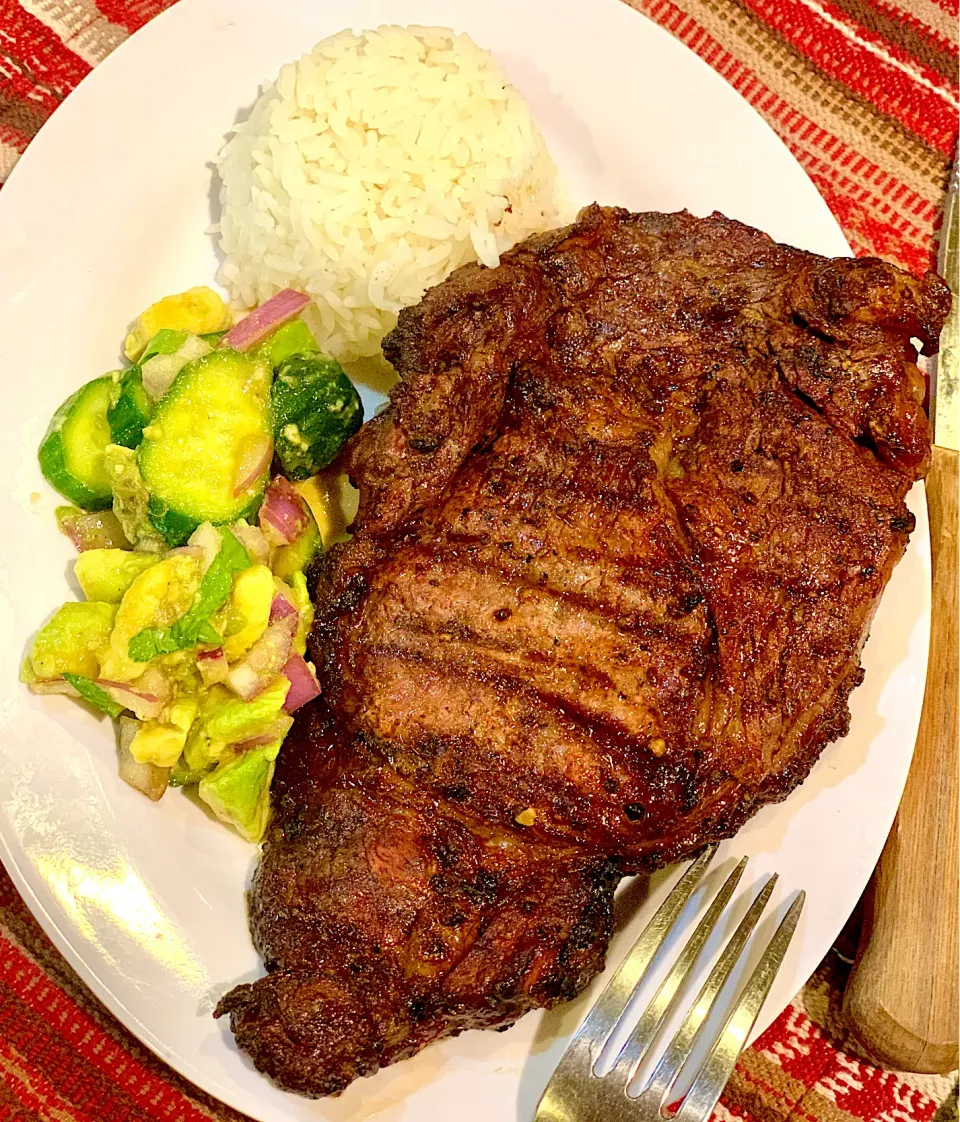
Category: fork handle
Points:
column 901, row 999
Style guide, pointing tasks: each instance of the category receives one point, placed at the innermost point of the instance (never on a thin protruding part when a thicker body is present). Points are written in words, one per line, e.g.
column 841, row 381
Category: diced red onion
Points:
column 193, row 347
column 148, row 779
column 268, row 317
column 282, row 607
column 253, row 541
column 213, row 666
column 248, row 679
column 145, row 706
column 304, row 686
column 283, row 514
column 54, row 686
column 185, row 551
column 253, row 461
column 246, row 682
column 97, row 530
column 254, row 742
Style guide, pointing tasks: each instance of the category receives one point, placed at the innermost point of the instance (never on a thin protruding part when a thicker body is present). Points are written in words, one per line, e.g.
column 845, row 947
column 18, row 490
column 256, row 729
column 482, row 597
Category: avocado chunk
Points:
column 106, row 574
column 199, row 310
column 293, row 338
column 72, row 642
column 238, row 790
column 233, row 720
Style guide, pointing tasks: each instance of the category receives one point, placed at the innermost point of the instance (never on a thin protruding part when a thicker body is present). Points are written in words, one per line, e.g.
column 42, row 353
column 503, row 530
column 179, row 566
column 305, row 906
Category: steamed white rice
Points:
column 370, row 170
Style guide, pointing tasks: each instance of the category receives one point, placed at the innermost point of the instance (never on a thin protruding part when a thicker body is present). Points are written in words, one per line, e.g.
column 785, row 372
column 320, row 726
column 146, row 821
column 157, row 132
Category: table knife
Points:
column 901, row 999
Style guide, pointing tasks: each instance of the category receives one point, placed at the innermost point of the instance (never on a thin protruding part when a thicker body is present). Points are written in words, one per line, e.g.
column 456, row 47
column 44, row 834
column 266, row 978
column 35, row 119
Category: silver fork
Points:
column 576, row 1094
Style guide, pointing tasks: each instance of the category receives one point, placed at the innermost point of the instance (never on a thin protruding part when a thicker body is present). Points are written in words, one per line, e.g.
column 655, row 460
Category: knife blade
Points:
column 943, row 387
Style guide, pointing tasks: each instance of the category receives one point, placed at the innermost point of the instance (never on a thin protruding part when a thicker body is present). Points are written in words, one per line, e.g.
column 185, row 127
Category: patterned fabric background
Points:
column 865, row 94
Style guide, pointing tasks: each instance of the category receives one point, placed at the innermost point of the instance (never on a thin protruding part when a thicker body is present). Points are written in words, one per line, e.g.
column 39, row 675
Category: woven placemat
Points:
column 865, row 94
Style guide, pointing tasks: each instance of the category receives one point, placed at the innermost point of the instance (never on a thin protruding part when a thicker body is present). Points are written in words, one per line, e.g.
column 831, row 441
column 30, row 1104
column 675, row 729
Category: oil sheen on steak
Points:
column 621, row 534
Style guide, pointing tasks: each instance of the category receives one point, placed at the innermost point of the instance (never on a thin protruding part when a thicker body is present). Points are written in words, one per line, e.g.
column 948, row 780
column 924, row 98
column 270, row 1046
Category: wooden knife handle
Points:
column 901, row 999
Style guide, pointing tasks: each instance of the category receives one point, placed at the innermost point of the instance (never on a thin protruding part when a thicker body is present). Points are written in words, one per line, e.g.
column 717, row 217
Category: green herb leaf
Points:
column 151, row 642
column 208, row 634
column 165, row 342
column 195, row 627
column 88, row 689
column 218, row 579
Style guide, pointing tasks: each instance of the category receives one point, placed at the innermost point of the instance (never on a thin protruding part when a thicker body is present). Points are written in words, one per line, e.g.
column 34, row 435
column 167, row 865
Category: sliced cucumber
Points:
column 130, row 413
column 195, row 448
column 71, row 453
column 316, row 410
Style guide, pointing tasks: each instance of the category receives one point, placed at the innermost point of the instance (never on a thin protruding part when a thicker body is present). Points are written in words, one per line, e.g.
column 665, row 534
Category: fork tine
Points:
column 716, row 1070
column 632, row 1053
column 603, row 1017
column 678, row 1050
column 575, row 1068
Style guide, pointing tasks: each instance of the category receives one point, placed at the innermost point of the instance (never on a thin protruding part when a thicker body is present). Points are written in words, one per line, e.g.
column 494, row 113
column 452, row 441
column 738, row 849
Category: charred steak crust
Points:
column 388, row 920
column 621, row 534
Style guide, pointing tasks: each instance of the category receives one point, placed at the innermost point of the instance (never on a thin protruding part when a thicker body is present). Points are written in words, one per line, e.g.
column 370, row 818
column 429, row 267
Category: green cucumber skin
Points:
column 130, row 413
column 54, row 468
column 53, row 458
column 176, row 528
column 305, row 389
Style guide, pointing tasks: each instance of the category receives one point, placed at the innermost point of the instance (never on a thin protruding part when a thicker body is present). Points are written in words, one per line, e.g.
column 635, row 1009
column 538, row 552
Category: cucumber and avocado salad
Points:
column 315, row 411
column 181, row 445
column 200, row 437
column 71, row 453
column 131, row 410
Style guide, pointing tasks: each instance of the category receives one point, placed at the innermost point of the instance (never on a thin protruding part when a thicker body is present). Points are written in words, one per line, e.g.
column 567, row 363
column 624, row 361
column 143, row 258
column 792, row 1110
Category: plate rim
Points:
column 205, row 1081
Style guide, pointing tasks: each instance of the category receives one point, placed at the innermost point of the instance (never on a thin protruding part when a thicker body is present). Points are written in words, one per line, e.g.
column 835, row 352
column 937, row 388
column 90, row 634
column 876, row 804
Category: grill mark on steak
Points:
column 621, row 535
column 603, row 729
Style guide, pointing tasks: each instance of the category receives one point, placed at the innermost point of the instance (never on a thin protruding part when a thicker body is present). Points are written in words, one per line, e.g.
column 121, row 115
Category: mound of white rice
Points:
column 370, row 170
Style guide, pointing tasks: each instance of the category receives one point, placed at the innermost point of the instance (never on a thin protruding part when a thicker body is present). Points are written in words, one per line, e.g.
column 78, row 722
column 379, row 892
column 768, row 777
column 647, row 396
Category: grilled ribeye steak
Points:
column 621, row 534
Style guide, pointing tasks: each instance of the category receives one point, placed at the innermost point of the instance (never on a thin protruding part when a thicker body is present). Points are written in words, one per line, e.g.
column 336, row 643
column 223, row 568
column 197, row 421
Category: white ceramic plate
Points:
column 106, row 212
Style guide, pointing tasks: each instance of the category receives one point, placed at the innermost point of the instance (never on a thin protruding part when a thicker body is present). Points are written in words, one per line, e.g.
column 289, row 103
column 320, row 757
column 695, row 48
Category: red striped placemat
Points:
column 865, row 94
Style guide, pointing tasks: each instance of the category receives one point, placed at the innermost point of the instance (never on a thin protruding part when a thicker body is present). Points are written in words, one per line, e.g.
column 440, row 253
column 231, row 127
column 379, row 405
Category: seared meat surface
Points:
column 621, row 534
column 388, row 920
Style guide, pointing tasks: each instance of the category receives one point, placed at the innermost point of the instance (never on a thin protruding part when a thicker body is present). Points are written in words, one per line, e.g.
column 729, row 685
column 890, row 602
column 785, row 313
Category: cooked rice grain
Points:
column 370, row 170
